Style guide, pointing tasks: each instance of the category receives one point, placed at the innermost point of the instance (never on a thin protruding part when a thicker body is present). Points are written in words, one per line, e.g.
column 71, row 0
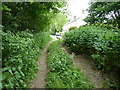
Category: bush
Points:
column 72, row 28
column 104, row 25
column 20, row 53
column 61, row 73
column 100, row 42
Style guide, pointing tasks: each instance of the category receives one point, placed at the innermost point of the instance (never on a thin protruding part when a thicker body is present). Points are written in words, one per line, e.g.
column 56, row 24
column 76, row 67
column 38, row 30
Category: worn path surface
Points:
column 86, row 65
column 39, row 81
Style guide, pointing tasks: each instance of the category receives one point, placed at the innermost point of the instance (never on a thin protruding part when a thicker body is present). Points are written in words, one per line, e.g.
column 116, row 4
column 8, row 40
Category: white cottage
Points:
column 76, row 22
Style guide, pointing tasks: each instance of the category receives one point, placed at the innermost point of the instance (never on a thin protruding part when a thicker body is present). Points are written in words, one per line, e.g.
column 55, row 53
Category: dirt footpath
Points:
column 87, row 66
column 39, row 81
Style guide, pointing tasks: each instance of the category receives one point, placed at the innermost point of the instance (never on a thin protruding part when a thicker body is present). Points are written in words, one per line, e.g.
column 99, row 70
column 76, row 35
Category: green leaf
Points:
column 5, row 75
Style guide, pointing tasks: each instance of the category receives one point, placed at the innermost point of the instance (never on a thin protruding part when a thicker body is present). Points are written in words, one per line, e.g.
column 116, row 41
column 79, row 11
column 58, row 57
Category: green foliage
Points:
column 111, row 84
column 20, row 53
column 104, row 25
column 61, row 73
column 42, row 38
column 101, row 43
column 57, row 22
column 4, row 7
column 72, row 28
column 20, row 46
column 105, row 12
column 35, row 16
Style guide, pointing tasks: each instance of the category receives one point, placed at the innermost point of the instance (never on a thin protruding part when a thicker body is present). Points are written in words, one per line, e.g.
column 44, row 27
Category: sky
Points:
column 76, row 7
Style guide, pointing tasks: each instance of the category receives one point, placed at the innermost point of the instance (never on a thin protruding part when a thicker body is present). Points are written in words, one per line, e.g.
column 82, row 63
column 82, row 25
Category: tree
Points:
column 104, row 12
column 19, row 16
column 57, row 22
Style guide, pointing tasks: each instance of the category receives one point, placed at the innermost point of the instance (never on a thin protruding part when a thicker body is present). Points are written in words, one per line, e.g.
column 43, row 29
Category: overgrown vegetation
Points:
column 61, row 73
column 100, row 37
column 20, row 53
column 26, row 29
column 101, row 43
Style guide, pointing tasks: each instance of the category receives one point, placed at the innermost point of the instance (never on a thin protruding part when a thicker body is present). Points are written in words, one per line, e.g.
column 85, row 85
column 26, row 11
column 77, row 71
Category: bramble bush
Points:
column 62, row 73
column 20, row 53
column 101, row 43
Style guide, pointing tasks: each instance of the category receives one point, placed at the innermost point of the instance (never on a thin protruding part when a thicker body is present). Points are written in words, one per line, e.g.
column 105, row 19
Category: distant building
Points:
column 76, row 22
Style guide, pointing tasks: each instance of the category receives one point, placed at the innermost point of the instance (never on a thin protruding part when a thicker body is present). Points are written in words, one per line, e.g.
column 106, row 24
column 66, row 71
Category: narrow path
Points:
column 39, row 81
column 86, row 65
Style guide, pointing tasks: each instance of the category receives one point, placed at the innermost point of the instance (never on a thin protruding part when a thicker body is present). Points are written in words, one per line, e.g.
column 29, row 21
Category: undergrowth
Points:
column 62, row 73
column 101, row 43
column 20, row 53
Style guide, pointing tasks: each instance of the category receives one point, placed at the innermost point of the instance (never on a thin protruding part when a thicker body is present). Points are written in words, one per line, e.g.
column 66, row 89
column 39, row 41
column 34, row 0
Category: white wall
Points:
column 77, row 23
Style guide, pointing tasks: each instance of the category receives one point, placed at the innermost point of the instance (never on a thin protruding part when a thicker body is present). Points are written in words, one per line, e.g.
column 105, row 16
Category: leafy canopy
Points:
column 33, row 16
column 105, row 12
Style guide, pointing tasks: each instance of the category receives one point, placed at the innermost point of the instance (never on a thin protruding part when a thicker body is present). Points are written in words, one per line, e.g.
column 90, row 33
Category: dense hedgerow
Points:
column 61, row 73
column 20, row 52
column 101, row 43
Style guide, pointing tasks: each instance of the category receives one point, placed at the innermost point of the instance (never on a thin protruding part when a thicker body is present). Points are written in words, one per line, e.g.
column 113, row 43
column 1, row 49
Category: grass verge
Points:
column 61, row 73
